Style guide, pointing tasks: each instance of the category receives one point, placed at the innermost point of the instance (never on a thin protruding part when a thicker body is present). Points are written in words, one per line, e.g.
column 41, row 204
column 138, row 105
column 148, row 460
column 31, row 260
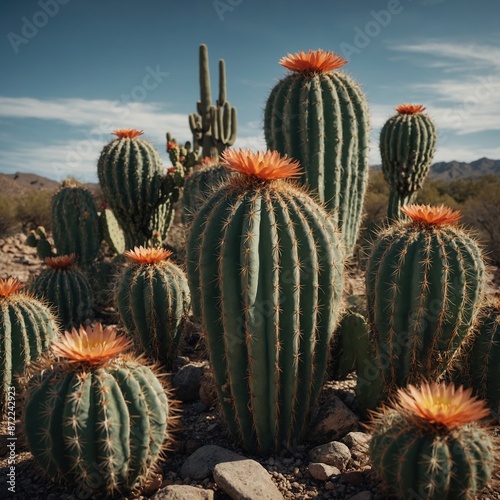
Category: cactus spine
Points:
column 65, row 288
column 95, row 418
column 320, row 117
column 75, row 223
column 134, row 184
column 427, row 445
column 152, row 298
column 424, row 280
column 26, row 328
column 265, row 269
column 407, row 146
column 214, row 128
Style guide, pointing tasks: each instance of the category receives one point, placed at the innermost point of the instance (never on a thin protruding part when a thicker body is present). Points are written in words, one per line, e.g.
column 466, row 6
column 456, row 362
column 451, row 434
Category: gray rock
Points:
column 333, row 421
column 186, row 381
column 362, row 495
column 246, row 480
column 358, row 443
column 322, row 472
column 333, row 453
column 201, row 463
column 183, row 492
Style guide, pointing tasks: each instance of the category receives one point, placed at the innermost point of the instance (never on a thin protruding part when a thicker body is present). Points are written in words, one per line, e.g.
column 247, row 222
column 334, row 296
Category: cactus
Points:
column 26, row 328
column 200, row 185
column 111, row 231
column 214, row 128
column 38, row 239
column 427, row 444
column 320, row 117
column 424, row 282
column 65, row 288
column 95, row 417
column 407, row 146
column 265, row 270
column 181, row 154
column 75, row 223
column 152, row 298
column 134, row 184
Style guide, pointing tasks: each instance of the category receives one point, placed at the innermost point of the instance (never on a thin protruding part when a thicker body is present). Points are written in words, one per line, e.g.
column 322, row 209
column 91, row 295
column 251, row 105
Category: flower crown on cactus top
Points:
column 61, row 261
column 9, row 286
column 433, row 216
column 410, row 109
column 440, row 405
column 267, row 165
column 314, row 61
column 127, row 133
column 91, row 345
column 143, row 255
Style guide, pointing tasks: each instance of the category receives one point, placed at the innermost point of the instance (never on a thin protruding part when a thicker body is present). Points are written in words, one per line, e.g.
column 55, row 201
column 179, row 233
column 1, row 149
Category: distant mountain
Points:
column 451, row 170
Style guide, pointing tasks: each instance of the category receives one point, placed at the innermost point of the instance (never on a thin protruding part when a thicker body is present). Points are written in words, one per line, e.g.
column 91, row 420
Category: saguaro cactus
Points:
column 319, row 116
column 214, row 128
column 407, row 146
column 265, row 269
column 95, row 417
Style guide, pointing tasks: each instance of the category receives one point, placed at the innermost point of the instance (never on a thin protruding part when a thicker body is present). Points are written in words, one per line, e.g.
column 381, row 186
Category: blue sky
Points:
column 74, row 70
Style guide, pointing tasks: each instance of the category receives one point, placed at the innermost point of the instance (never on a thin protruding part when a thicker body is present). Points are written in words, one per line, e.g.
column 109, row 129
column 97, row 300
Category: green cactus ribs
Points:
column 265, row 270
column 319, row 116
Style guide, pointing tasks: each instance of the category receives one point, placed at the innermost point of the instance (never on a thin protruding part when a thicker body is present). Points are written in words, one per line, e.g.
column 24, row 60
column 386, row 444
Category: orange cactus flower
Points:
column 61, row 261
column 410, row 109
column 266, row 166
column 314, row 61
column 432, row 216
column 144, row 255
column 441, row 404
column 171, row 145
column 9, row 286
column 127, row 133
column 91, row 345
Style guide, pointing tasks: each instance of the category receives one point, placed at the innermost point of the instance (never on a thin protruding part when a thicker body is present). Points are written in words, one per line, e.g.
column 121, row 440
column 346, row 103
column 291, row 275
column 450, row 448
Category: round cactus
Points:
column 65, row 288
column 94, row 417
column 75, row 223
column 26, row 328
column 424, row 280
column 319, row 116
column 152, row 298
column 428, row 444
column 265, row 269
column 407, row 146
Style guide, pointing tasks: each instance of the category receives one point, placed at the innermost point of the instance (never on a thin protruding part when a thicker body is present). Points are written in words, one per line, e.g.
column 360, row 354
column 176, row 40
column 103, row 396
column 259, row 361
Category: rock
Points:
column 208, row 391
column 245, row 480
column 333, row 453
column 362, row 495
column 354, row 477
column 183, row 492
column 358, row 443
column 322, row 472
column 153, row 484
column 201, row 463
column 333, row 421
column 186, row 381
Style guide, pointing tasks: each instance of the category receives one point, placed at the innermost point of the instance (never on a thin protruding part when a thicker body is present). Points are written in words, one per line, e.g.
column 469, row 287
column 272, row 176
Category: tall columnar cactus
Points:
column 152, row 298
column 137, row 188
column 265, row 269
column 407, row 146
column 75, row 223
column 319, row 116
column 66, row 289
column 95, row 417
column 214, row 128
column 26, row 328
column 424, row 282
column 200, row 185
column 429, row 445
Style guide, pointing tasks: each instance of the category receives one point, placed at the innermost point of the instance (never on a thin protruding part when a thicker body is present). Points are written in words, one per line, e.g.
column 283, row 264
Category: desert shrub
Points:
column 33, row 210
column 8, row 220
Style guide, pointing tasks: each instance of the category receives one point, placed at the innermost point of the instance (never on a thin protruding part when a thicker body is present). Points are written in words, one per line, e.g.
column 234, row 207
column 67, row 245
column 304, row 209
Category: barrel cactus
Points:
column 95, row 417
column 265, row 269
column 424, row 281
column 138, row 190
column 407, row 146
column 319, row 116
column 75, row 223
column 66, row 289
column 152, row 298
column 26, row 328
column 429, row 445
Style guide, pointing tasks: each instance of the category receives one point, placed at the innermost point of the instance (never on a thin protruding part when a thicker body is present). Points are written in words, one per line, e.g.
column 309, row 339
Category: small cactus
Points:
column 37, row 238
